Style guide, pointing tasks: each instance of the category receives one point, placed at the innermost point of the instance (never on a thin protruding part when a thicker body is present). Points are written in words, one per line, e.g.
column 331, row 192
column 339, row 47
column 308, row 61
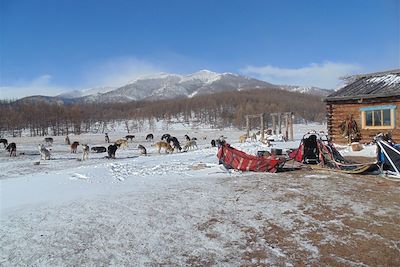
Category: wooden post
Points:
column 291, row 126
column 286, row 126
column 280, row 122
column 247, row 126
column 262, row 126
column 273, row 123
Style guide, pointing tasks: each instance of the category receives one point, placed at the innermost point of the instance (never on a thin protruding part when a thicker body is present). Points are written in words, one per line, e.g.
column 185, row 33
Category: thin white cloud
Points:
column 325, row 75
column 119, row 71
column 41, row 85
column 114, row 72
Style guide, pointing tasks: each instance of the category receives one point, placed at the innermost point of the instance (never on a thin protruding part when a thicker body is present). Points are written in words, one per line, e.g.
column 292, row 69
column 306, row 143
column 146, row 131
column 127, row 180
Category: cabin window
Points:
column 378, row 117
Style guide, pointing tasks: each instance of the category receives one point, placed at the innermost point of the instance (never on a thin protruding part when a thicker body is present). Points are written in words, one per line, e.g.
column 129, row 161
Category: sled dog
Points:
column 85, row 152
column 12, row 148
column 142, row 150
column 122, row 143
column 189, row 145
column 166, row 146
column 74, row 146
column 44, row 152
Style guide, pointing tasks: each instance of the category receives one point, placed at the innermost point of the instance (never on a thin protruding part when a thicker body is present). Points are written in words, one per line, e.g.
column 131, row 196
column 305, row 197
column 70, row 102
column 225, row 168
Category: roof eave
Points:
column 358, row 97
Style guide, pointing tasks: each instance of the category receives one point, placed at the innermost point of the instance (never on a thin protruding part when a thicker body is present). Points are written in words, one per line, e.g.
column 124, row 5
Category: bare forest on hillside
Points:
column 219, row 110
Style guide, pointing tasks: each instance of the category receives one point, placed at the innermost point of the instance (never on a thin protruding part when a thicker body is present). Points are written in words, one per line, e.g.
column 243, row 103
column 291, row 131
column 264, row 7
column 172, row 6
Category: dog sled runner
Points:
column 232, row 158
column 319, row 153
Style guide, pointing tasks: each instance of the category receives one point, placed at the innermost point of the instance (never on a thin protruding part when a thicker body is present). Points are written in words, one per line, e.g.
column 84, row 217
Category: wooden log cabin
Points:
column 373, row 100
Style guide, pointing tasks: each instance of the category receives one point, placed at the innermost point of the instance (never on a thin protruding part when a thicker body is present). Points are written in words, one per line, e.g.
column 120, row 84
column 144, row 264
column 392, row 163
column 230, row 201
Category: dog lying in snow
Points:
column 4, row 142
column 98, row 149
column 85, row 152
column 189, row 145
column 142, row 150
column 166, row 146
column 130, row 136
column 44, row 152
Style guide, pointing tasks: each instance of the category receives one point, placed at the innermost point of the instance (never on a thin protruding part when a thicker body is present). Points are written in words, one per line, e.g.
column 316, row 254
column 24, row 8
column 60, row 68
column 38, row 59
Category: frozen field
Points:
column 183, row 209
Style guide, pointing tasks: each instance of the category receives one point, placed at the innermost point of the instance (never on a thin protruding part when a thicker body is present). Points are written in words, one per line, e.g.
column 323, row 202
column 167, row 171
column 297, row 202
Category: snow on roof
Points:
column 374, row 85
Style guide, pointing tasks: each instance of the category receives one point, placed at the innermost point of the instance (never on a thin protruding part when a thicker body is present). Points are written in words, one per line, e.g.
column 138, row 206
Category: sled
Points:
column 232, row 158
column 317, row 151
column 389, row 157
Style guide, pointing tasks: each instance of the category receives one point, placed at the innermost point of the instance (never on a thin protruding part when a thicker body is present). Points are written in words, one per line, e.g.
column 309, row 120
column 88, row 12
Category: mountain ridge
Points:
column 168, row 86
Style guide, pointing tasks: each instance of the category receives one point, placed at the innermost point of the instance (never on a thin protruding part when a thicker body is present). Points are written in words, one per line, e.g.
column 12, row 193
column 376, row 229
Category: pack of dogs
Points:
column 168, row 144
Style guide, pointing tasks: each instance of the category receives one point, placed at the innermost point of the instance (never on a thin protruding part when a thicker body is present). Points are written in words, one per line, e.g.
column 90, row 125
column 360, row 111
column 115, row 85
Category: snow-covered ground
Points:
column 183, row 209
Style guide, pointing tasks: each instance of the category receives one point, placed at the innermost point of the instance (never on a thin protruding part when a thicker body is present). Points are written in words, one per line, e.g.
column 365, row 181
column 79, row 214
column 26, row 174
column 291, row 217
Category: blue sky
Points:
column 52, row 46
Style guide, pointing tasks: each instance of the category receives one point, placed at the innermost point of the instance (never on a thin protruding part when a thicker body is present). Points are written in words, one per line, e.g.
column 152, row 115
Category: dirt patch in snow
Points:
column 294, row 218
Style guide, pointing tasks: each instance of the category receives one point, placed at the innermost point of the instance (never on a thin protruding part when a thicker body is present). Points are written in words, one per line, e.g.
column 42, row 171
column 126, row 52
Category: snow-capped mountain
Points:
column 167, row 86
column 312, row 90
column 87, row 92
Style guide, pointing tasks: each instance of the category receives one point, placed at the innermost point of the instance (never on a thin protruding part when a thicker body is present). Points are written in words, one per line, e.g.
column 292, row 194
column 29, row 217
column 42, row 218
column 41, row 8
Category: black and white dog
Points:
column 149, row 137
column 165, row 136
column 174, row 142
column 130, row 136
column 142, row 150
column 187, row 137
column 99, row 149
column 4, row 142
column 12, row 148
column 49, row 140
column 213, row 143
column 44, row 152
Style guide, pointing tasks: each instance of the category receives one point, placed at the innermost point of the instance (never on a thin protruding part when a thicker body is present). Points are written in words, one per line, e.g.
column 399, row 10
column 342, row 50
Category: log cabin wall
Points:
column 337, row 112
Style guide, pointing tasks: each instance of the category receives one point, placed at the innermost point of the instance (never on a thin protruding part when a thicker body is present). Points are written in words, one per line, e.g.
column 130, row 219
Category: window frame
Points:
column 380, row 109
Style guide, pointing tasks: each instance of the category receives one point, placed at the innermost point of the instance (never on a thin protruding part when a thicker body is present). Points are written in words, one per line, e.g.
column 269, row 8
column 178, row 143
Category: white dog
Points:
column 85, row 152
column 44, row 152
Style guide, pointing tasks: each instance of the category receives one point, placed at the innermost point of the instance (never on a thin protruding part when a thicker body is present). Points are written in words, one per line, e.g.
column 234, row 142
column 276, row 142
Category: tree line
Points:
column 222, row 109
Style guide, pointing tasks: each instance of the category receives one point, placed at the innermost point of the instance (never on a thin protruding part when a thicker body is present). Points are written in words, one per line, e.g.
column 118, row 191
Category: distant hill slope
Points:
column 312, row 90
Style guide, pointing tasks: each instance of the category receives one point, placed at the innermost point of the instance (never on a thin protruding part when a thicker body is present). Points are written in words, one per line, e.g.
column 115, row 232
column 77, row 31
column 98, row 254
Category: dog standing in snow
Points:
column 12, row 148
column 85, row 152
column 166, row 146
column 189, row 145
column 44, row 152
column 74, row 146
column 123, row 143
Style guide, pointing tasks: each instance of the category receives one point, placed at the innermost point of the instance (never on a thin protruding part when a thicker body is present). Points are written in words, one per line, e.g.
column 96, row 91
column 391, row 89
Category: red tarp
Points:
column 236, row 159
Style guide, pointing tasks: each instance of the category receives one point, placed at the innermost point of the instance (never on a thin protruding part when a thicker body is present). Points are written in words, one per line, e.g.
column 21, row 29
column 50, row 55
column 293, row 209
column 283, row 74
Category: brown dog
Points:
column 74, row 146
column 122, row 143
column 167, row 147
column 243, row 138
